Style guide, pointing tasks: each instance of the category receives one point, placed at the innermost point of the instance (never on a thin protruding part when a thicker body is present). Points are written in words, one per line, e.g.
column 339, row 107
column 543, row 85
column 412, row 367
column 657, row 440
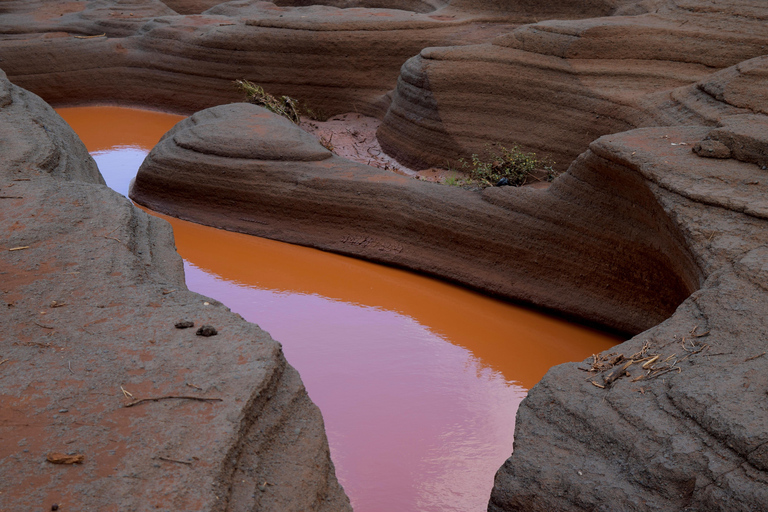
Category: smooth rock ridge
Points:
column 556, row 248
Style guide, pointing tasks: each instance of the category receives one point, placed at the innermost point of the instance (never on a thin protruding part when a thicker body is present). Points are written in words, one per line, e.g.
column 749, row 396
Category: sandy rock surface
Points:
column 95, row 372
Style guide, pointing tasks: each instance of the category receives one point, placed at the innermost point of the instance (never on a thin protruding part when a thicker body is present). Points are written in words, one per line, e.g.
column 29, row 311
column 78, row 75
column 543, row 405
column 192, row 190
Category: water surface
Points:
column 418, row 380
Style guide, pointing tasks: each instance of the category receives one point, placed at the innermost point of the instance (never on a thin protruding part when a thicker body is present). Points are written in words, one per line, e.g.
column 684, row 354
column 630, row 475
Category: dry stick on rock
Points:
column 110, row 238
column 747, row 359
column 617, row 373
column 19, row 248
column 63, row 458
column 170, row 397
column 166, row 459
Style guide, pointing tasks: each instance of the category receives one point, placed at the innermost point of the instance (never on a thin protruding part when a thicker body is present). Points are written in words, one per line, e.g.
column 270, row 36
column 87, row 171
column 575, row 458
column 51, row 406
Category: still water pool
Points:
column 418, row 380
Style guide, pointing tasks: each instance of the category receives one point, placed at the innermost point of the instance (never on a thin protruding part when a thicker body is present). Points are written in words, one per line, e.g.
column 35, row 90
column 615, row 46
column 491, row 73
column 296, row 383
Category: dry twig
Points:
column 170, row 397
column 166, row 459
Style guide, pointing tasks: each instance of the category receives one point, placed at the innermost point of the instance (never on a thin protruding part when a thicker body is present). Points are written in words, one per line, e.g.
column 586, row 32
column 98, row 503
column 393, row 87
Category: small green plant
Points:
column 284, row 106
column 513, row 165
column 452, row 181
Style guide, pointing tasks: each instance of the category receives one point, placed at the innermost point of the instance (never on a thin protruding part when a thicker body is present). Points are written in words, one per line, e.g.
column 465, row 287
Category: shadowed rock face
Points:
column 551, row 248
column 90, row 298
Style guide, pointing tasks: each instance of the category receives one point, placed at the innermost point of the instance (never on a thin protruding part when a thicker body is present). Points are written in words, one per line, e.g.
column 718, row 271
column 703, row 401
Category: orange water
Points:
column 418, row 380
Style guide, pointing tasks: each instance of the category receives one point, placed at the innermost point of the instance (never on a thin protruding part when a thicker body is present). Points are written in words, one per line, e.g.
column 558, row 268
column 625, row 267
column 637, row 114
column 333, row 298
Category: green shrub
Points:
column 517, row 166
column 284, row 106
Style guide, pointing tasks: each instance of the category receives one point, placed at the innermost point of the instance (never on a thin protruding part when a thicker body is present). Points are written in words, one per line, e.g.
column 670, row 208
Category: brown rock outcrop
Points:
column 638, row 224
column 335, row 56
column 334, row 60
column 242, row 168
column 91, row 290
column 688, row 430
column 555, row 86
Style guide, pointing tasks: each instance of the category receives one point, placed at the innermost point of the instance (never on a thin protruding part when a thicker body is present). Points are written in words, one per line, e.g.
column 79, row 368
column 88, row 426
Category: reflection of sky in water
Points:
column 119, row 164
column 415, row 423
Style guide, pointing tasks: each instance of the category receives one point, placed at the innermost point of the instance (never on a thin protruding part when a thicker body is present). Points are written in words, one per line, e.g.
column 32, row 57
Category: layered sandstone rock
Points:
column 688, row 431
column 555, row 86
column 92, row 288
column 334, row 60
column 638, row 224
column 242, row 168
column 334, row 56
column 672, row 435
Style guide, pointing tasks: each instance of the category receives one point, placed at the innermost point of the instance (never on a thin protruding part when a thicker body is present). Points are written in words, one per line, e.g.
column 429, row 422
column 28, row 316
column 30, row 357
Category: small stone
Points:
column 503, row 182
column 63, row 410
column 712, row 149
column 55, row 506
column 207, row 330
column 184, row 324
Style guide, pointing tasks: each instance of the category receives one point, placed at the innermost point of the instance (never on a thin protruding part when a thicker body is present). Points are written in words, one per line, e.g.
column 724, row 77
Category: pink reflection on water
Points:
column 414, row 422
column 417, row 421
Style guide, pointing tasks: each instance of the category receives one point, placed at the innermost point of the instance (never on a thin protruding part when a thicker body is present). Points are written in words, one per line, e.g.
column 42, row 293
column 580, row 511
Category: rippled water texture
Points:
column 418, row 380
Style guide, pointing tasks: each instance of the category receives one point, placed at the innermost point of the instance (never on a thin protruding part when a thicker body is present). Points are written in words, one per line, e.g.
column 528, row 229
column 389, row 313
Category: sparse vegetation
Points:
column 513, row 165
column 327, row 143
column 284, row 106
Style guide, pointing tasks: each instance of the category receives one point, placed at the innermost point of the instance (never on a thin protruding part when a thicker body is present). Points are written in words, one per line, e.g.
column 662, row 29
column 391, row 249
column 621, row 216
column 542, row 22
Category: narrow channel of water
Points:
column 418, row 380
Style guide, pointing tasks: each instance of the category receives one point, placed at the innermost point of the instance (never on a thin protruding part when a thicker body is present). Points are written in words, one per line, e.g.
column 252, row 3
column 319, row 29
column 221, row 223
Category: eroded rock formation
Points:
column 242, row 168
column 92, row 288
column 334, row 56
column 675, row 434
column 639, row 223
column 689, row 430
column 555, row 86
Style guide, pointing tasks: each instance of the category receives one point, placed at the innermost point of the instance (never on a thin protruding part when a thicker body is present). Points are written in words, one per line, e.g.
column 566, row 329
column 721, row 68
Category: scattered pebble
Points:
column 207, row 330
column 184, row 324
